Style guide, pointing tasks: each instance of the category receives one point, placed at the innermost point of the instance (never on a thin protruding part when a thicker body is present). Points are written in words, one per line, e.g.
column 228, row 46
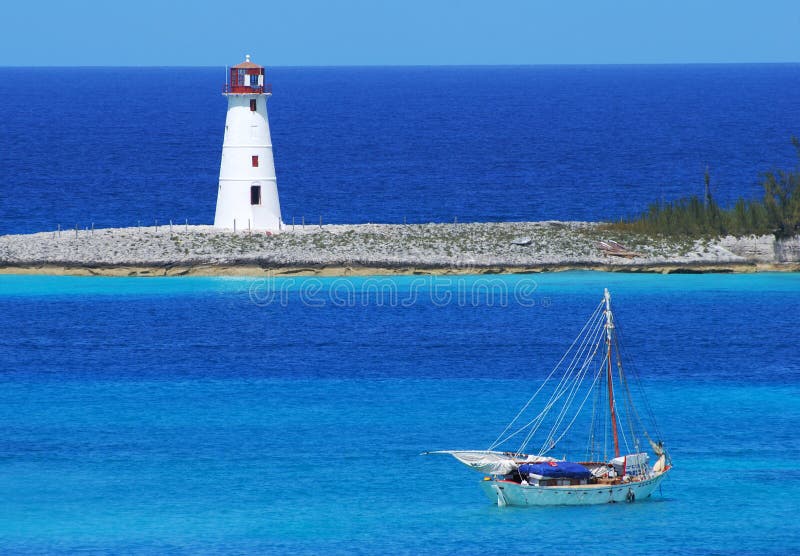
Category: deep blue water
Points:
column 116, row 146
column 187, row 415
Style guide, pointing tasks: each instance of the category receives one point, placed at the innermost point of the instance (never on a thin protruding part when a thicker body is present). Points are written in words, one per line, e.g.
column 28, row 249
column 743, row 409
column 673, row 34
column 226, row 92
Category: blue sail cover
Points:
column 556, row 470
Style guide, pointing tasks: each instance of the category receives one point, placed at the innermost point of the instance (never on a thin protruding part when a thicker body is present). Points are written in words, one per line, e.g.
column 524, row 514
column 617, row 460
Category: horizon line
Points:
column 542, row 64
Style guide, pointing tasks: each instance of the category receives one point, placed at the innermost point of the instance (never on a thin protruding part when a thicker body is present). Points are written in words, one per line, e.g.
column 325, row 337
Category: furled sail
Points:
column 485, row 461
column 491, row 462
column 658, row 447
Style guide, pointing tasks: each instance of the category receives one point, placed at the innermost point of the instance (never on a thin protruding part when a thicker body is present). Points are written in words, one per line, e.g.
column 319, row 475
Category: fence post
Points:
column 170, row 226
column 187, row 225
column 292, row 223
column 59, row 230
column 92, row 228
column 156, row 225
column 76, row 231
column 234, row 225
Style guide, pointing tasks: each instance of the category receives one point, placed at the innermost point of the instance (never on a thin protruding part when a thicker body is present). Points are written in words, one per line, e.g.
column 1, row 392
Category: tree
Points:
column 778, row 212
column 782, row 198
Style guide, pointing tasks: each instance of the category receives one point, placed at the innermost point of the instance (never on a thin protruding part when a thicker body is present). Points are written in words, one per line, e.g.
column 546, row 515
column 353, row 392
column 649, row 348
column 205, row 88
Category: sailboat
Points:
column 588, row 390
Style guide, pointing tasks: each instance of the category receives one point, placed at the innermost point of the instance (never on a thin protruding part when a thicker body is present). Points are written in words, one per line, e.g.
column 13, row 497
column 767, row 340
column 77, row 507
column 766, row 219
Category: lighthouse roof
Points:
column 247, row 64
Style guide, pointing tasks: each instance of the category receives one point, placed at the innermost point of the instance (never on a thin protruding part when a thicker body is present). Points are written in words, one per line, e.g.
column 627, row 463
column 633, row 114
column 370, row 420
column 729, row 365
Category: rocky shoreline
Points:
column 373, row 249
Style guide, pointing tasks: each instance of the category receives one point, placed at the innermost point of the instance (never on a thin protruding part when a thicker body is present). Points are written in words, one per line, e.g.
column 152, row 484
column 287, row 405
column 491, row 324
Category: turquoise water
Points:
column 227, row 416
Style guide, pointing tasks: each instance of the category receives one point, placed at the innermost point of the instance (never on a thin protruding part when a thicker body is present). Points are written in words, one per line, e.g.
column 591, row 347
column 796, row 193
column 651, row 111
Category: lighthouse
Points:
column 248, row 190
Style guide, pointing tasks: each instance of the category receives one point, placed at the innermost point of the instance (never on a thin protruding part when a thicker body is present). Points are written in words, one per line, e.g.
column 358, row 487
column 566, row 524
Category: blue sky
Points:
column 411, row 32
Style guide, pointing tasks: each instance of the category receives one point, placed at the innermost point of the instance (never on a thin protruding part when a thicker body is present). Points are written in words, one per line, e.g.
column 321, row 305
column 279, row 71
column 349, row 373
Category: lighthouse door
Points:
column 255, row 194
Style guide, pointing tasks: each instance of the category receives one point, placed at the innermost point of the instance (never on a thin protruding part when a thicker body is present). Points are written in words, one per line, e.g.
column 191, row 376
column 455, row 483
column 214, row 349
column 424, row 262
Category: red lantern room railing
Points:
column 247, row 78
column 227, row 89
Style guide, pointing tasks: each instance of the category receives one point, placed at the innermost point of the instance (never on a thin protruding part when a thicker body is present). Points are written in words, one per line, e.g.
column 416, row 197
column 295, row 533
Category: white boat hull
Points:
column 508, row 493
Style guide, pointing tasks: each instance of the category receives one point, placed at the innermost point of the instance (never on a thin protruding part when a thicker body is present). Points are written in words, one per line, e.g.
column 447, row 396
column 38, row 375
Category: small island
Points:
column 374, row 249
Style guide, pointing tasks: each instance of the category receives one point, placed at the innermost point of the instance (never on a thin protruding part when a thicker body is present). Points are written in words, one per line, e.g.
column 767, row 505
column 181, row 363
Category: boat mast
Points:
column 609, row 327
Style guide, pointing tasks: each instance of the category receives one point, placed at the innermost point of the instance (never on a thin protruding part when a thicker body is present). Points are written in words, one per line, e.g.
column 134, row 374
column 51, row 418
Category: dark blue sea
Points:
column 237, row 416
column 116, row 146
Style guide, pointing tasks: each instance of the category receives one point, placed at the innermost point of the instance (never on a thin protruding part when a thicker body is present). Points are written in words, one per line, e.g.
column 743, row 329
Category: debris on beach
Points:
column 612, row 248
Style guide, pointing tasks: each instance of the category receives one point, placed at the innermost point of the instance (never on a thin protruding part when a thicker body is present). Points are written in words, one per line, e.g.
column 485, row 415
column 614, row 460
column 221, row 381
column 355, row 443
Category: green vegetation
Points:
column 777, row 213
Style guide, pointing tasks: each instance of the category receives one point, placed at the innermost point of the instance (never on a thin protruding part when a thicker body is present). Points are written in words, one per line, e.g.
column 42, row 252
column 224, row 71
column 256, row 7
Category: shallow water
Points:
column 191, row 415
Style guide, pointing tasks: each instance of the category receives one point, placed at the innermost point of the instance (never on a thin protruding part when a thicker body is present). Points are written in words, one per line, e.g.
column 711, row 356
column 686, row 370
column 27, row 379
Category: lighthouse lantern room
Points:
column 248, row 192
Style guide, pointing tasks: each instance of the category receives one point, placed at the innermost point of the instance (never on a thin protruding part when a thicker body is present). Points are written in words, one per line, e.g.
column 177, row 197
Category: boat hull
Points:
column 507, row 493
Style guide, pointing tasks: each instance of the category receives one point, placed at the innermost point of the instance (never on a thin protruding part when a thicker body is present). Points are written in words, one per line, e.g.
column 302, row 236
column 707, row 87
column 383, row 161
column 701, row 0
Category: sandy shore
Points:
column 381, row 249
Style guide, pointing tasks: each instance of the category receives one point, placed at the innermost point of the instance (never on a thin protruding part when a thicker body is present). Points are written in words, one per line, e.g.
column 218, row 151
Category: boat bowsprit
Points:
column 589, row 404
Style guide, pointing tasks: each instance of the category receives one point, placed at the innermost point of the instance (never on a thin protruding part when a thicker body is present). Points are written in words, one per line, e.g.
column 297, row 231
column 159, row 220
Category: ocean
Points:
column 198, row 415
column 237, row 416
column 119, row 146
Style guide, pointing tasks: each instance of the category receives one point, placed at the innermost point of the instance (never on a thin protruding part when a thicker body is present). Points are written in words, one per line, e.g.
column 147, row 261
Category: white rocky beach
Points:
column 384, row 249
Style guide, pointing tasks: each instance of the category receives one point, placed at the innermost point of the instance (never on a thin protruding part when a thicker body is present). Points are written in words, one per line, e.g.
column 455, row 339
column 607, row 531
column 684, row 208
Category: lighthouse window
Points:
column 255, row 194
column 255, row 161
column 252, row 105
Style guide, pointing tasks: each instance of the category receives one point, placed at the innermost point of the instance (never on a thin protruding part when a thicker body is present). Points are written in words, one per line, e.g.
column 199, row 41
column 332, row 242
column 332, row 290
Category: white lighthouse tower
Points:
column 248, row 189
